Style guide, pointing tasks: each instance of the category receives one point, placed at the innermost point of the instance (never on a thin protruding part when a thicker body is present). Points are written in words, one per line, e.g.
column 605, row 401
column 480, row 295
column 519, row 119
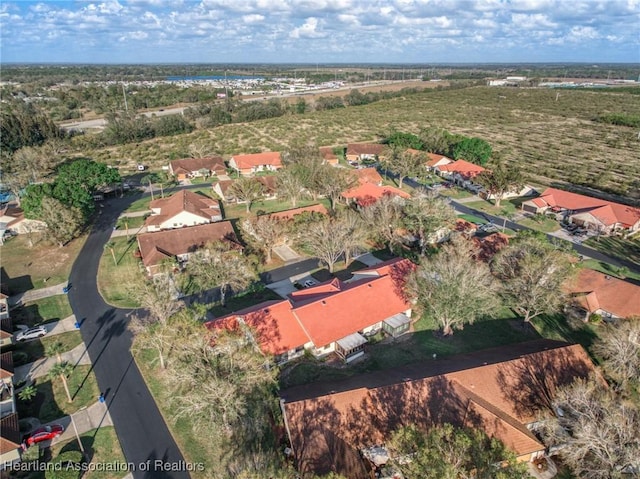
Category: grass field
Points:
column 113, row 278
column 25, row 268
column 44, row 310
column 553, row 141
column 622, row 248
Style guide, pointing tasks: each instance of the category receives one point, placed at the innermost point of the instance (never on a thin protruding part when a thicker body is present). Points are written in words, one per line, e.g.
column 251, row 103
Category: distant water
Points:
column 213, row 77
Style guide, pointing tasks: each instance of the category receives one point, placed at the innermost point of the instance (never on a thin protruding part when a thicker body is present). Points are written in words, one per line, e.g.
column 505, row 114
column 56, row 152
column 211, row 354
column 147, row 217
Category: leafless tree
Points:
column 247, row 190
column 290, row 185
column 453, row 287
column 264, row 233
column 532, row 272
column 384, row 220
column 619, row 346
column 63, row 222
column 596, row 432
column 326, row 238
column 426, row 214
column 220, row 265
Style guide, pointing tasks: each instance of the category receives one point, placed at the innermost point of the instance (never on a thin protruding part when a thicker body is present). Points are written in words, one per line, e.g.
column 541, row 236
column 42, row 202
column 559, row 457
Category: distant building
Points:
column 181, row 209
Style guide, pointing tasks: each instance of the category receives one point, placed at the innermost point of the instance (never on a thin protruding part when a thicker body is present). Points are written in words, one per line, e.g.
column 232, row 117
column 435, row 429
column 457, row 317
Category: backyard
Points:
column 40, row 311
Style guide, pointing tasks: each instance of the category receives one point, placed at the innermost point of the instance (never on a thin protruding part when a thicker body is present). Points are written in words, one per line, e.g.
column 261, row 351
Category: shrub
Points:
column 69, row 468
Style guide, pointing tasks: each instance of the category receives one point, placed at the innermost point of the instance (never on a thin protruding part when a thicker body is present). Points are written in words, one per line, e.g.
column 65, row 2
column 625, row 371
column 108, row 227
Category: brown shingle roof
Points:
column 6, row 365
column 211, row 163
column 154, row 247
column 184, row 200
column 499, row 398
column 9, row 433
column 365, row 148
column 368, row 175
column 594, row 290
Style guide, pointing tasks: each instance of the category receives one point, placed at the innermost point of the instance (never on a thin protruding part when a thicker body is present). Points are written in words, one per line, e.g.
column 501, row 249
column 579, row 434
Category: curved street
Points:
column 139, row 425
column 141, row 429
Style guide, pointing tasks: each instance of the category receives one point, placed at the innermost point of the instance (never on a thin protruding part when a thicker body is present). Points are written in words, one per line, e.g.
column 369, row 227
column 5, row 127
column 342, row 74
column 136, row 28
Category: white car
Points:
column 310, row 282
column 31, row 333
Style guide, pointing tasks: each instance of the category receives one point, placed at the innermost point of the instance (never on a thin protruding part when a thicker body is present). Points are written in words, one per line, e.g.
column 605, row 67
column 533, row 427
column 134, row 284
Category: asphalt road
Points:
column 139, row 425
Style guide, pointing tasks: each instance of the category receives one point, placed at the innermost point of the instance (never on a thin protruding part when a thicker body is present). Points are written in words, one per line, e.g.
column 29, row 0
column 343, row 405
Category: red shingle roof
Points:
column 434, row 159
column 288, row 214
column 244, row 162
column 365, row 191
column 464, row 168
column 154, row 247
column 9, row 433
column 594, row 290
column 365, row 148
column 605, row 211
column 325, row 313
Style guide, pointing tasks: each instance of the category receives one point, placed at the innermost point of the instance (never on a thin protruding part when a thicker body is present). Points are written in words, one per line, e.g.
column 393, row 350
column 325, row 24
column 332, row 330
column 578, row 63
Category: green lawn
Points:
column 31, row 351
column 473, row 219
column 562, row 328
column 113, row 278
column 607, row 268
column 103, row 447
column 541, row 223
column 236, row 303
column 628, row 249
column 134, row 223
column 422, row 344
column 455, row 193
column 141, row 204
column 233, row 210
column 42, row 311
column 51, row 402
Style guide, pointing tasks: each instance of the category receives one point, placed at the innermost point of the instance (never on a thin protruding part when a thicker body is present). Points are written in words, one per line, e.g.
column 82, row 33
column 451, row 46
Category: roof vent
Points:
column 370, row 285
column 607, row 277
column 323, row 302
column 266, row 310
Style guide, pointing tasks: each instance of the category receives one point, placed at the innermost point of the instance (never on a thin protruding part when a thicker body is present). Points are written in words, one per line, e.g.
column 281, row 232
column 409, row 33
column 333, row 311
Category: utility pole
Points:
column 75, row 429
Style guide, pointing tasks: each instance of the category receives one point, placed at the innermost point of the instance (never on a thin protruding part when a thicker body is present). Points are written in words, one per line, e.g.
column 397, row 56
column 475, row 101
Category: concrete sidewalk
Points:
column 34, row 294
column 63, row 326
column 132, row 232
column 368, row 259
column 92, row 417
column 135, row 214
column 41, row 367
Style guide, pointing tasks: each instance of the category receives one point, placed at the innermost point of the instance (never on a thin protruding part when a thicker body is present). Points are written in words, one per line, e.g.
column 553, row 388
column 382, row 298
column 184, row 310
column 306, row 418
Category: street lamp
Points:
column 75, row 429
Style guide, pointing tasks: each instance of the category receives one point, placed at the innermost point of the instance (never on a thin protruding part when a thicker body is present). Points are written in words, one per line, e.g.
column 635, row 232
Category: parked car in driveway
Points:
column 44, row 433
column 310, row 282
column 31, row 333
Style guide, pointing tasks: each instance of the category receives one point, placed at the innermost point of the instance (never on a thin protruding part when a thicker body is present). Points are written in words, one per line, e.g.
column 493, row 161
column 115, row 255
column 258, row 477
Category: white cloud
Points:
column 253, row 18
column 308, row 30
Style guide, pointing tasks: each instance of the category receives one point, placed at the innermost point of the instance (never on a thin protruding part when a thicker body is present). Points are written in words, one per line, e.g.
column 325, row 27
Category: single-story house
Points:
column 7, row 398
column 4, row 306
column 6, row 331
column 332, row 427
column 247, row 165
column 460, row 171
column 367, row 193
column 197, row 167
column 178, row 244
column 10, row 441
column 269, row 188
column 329, row 157
column 332, row 317
column 599, row 293
column 290, row 213
column 591, row 213
column 364, row 151
column 182, row 209
column 12, row 219
column 368, row 175
column 434, row 160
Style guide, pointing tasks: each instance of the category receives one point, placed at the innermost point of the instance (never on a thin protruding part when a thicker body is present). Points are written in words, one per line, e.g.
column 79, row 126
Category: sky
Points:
column 320, row 31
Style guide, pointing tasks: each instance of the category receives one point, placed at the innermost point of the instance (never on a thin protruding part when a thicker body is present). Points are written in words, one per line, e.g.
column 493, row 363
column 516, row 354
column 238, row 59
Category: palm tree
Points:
column 28, row 393
column 110, row 246
column 61, row 371
column 54, row 349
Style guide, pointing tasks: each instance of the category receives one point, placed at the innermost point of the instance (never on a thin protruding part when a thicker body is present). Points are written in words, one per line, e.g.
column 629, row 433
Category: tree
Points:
column 290, row 185
column 62, row 371
column 66, row 465
column 405, row 140
column 447, row 452
column 426, row 214
column 384, row 219
column 158, row 296
column 474, row 150
column 331, row 182
column 500, row 180
column 596, row 431
column 264, row 233
column 619, row 345
column 27, row 393
column 406, row 163
column 354, row 236
column 110, row 245
column 54, row 349
column 306, row 163
column 453, row 287
column 247, row 190
column 63, row 222
column 220, row 265
column 437, row 140
column 326, row 238
column 532, row 272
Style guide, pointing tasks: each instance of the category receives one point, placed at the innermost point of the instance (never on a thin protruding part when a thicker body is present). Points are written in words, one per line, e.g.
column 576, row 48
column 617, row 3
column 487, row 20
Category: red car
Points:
column 44, row 433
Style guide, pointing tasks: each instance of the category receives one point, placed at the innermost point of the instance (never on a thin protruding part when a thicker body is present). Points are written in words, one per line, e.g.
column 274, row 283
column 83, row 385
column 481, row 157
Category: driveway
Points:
column 286, row 253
